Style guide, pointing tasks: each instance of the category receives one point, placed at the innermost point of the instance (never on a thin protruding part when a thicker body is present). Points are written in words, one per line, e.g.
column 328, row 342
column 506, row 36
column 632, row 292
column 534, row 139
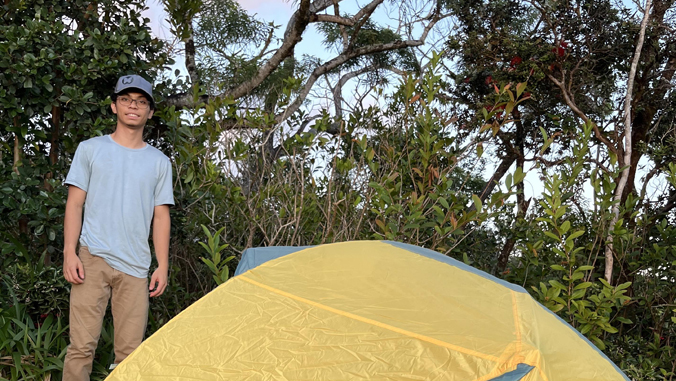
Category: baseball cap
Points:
column 134, row 82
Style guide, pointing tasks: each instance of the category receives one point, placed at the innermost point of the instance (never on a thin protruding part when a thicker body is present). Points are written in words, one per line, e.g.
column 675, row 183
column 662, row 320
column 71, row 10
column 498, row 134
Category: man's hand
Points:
column 158, row 282
column 73, row 270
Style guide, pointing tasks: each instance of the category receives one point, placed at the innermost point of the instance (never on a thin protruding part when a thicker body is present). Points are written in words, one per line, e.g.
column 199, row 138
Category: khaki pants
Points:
column 88, row 302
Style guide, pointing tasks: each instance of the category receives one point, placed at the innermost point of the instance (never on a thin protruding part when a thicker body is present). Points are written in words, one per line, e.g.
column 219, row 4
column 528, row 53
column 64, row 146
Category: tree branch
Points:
column 337, row 61
column 566, row 97
column 353, row 53
column 17, row 148
column 338, row 89
column 292, row 37
column 265, row 46
column 360, row 18
column 609, row 253
column 343, row 32
column 504, row 166
column 190, row 64
column 331, row 18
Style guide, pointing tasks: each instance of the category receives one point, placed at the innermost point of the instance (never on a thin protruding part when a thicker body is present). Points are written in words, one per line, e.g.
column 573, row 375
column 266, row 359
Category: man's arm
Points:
column 161, row 229
column 73, row 270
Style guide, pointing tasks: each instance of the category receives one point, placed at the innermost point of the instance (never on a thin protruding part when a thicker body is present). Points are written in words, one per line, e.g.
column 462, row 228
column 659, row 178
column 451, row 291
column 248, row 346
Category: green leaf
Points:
column 565, row 227
column 204, row 245
column 28, row 83
column 575, row 235
column 598, row 343
column 583, row 285
column 558, row 267
column 206, row 231
column 552, row 235
column 627, row 321
column 520, row 87
column 477, row 202
column 189, row 176
column 578, row 294
column 509, row 107
column 556, row 308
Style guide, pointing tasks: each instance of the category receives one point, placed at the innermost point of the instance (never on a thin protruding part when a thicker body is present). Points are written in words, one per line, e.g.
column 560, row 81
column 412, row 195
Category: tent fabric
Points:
column 256, row 256
column 519, row 373
column 365, row 310
column 453, row 262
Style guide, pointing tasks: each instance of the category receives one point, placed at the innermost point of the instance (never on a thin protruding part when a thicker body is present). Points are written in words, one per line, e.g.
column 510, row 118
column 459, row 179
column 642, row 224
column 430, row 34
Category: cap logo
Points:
column 127, row 80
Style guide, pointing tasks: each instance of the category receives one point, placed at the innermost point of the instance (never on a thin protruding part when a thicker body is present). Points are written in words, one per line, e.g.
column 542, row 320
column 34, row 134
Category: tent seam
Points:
column 370, row 321
column 519, row 338
column 517, row 323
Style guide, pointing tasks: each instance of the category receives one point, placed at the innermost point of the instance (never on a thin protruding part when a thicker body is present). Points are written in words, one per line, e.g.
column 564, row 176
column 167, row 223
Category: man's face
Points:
column 132, row 109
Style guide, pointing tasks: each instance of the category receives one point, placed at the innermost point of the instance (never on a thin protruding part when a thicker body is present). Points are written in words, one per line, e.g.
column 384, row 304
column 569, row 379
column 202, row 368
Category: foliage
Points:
column 413, row 166
column 41, row 290
column 30, row 349
column 217, row 265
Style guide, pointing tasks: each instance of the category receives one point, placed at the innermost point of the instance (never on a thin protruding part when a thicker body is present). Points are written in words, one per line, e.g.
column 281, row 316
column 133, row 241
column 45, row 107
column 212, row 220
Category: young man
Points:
column 123, row 184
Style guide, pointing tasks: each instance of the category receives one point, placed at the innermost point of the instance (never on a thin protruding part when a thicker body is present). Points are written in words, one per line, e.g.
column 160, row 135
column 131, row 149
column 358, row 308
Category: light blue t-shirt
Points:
column 123, row 187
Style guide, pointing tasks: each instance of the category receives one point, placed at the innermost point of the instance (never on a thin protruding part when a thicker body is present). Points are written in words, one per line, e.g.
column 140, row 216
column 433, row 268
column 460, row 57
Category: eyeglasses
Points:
column 140, row 103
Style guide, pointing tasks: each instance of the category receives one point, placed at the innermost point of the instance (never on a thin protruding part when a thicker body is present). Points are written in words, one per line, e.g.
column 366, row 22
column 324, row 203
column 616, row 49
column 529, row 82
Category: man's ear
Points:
column 113, row 107
column 151, row 113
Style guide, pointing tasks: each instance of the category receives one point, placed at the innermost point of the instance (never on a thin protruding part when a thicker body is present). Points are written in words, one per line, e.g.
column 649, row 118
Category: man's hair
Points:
column 133, row 90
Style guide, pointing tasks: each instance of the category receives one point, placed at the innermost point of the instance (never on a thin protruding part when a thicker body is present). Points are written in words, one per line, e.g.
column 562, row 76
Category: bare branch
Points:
column 265, row 46
column 345, row 56
column 338, row 89
column 337, row 61
column 343, row 32
column 367, row 9
column 609, row 254
column 569, row 101
column 292, row 36
column 360, row 18
column 334, row 19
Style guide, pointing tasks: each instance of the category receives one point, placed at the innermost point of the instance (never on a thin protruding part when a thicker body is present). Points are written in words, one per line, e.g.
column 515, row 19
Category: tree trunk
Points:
column 522, row 205
column 504, row 166
column 17, row 147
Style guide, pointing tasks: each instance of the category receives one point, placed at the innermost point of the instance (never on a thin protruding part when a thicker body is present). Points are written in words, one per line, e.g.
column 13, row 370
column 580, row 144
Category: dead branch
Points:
column 338, row 89
column 571, row 103
column 609, row 253
column 343, row 21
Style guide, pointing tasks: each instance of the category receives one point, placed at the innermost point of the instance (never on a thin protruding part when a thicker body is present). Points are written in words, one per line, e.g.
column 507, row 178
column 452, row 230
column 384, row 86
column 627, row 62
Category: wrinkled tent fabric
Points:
column 365, row 310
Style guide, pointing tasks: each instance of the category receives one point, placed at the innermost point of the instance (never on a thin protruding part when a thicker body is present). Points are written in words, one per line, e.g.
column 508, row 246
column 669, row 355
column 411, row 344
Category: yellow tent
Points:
column 365, row 310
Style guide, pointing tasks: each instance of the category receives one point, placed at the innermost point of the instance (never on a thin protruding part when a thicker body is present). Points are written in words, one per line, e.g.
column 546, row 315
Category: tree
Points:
column 359, row 40
column 573, row 77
